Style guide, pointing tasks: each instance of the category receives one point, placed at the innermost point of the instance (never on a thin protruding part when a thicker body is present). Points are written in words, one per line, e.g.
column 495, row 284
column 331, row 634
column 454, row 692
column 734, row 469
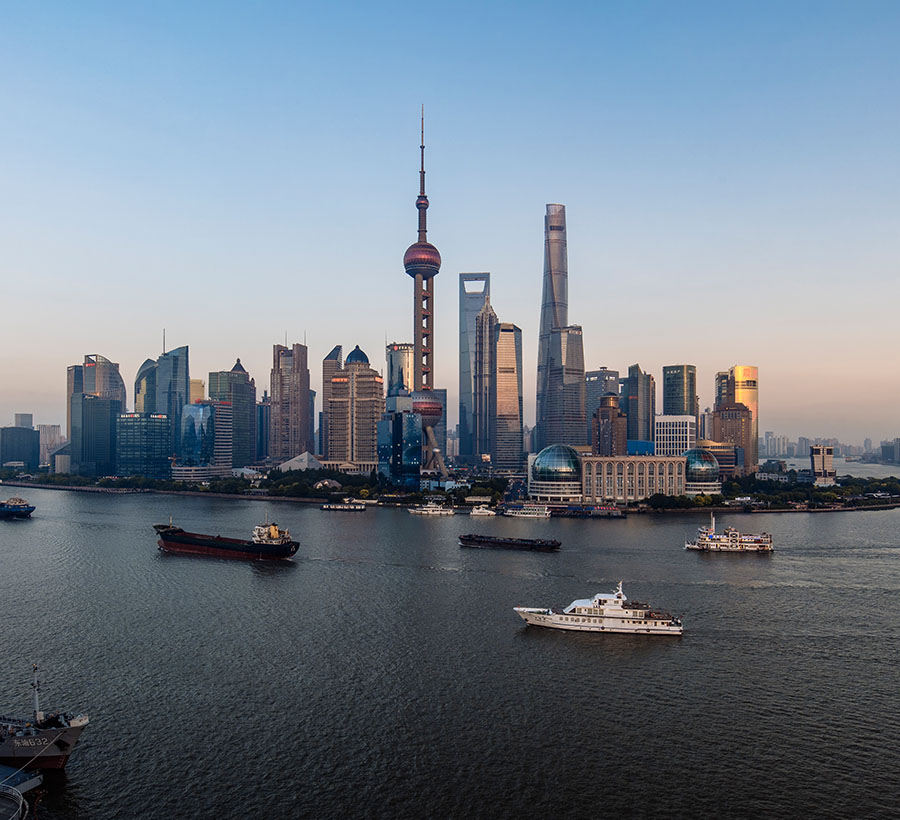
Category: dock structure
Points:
column 13, row 785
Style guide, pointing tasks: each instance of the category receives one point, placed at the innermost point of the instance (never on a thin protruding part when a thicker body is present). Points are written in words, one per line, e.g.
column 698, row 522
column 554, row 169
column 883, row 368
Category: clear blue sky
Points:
column 235, row 171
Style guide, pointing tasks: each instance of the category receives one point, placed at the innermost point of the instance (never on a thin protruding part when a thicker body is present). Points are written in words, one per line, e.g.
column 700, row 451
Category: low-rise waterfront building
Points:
column 628, row 479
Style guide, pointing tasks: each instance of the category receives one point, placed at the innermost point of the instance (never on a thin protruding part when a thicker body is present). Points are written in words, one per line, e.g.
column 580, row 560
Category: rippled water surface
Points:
column 383, row 673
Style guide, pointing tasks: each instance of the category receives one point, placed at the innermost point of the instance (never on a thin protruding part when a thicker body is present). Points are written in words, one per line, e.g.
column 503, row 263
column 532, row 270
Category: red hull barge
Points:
column 277, row 548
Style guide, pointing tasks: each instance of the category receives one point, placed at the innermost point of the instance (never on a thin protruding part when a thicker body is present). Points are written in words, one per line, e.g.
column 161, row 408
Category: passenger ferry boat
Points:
column 708, row 540
column 528, row 511
column 431, row 509
column 348, row 506
column 483, row 509
column 603, row 613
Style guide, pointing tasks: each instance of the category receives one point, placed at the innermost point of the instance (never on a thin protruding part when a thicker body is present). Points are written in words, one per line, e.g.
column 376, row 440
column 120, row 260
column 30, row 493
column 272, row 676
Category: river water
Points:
column 383, row 673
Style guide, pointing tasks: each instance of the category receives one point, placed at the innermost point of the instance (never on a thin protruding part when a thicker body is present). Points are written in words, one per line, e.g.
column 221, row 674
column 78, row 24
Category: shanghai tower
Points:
column 554, row 308
column 422, row 262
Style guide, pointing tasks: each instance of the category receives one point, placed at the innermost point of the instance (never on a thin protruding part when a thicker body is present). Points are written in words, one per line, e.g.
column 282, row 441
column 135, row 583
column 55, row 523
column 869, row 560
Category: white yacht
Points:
column 730, row 540
column 482, row 509
column 603, row 613
column 528, row 511
column 431, row 509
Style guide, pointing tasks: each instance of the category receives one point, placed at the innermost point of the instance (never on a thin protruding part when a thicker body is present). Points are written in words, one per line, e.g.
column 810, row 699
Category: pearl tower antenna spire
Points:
column 422, row 262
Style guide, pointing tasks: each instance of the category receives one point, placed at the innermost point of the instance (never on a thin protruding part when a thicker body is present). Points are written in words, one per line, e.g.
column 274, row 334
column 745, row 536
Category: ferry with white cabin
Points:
column 528, row 511
column 605, row 612
column 730, row 540
column 431, row 509
column 482, row 509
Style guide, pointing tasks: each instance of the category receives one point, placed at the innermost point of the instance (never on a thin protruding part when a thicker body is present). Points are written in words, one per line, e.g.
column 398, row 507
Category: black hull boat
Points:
column 269, row 543
column 494, row 542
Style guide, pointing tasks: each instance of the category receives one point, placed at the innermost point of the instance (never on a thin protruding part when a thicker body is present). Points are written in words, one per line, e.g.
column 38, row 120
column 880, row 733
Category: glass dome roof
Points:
column 558, row 462
column 356, row 355
column 702, row 467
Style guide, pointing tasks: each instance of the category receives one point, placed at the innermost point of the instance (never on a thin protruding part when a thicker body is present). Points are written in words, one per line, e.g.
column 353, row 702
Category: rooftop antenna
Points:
column 164, row 340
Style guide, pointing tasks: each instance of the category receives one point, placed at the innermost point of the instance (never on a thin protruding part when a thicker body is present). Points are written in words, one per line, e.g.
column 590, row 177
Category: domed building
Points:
column 554, row 475
column 701, row 473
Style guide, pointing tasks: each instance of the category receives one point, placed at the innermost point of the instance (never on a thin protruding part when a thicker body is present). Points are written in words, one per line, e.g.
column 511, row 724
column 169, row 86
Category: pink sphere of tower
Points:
column 428, row 406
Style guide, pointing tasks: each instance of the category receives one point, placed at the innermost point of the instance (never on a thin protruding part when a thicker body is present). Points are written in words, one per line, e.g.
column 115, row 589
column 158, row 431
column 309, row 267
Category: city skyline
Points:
column 693, row 183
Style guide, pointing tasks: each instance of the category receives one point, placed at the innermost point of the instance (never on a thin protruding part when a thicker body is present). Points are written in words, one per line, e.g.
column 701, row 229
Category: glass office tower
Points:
column 143, row 445
column 474, row 292
column 508, row 449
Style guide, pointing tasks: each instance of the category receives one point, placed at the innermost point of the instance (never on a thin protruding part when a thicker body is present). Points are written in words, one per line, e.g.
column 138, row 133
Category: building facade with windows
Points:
column 627, row 479
column 474, row 292
column 674, row 435
column 143, row 445
column 236, row 387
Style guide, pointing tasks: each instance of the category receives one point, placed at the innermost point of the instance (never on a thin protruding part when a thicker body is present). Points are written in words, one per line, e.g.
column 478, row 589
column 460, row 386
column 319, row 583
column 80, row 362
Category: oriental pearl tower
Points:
column 423, row 262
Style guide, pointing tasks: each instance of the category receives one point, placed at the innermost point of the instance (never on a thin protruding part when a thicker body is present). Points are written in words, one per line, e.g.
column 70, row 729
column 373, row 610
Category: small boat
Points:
column 15, row 508
column 528, row 511
column 730, row 540
column 349, row 507
column 495, row 542
column 42, row 741
column 269, row 542
column 431, row 509
column 603, row 613
column 483, row 509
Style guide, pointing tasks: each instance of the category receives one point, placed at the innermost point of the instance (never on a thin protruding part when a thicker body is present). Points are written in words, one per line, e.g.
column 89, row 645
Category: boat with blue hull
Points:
column 15, row 508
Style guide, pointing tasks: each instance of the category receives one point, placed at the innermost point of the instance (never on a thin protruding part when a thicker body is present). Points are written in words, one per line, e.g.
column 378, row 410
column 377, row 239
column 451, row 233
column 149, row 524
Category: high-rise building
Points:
column 291, row 424
column 400, row 357
column 638, row 402
column 564, row 409
column 597, row 384
column 96, row 376
column 733, row 424
column 236, row 386
column 507, row 448
column 609, row 428
column 50, row 438
column 24, row 420
column 355, row 406
column 483, row 377
column 474, row 292
column 145, row 388
column 331, row 366
column 205, row 449
column 20, row 446
column 674, row 435
column 163, row 387
column 143, row 445
column 93, row 450
column 400, row 444
column 423, row 262
column 263, row 420
column 680, row 391
column 554, row 309
column 740, row 385
column 197, row 390
column 821, row 464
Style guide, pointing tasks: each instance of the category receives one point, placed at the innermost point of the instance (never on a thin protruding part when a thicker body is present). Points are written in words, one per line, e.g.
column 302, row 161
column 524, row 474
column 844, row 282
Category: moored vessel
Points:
column 496, row 542
column 15, row 508
column 528, row 511
column 269, row 542
column 604, row 613
column 42, row 741
column 730, row 540
column 431, row 509
column 482, row 509
column 345, row 507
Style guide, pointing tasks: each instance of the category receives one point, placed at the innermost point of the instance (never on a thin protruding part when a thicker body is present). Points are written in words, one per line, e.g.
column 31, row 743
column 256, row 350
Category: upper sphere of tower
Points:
column 422, row 257
column 422, row 202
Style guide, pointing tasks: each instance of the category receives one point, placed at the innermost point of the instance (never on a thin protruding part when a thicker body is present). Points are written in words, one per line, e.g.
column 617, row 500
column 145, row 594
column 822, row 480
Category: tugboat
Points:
column 708, row 540
column 603, row 613
column 494, row 542
column 269, row 542
column 43, row 741
column 15, row 508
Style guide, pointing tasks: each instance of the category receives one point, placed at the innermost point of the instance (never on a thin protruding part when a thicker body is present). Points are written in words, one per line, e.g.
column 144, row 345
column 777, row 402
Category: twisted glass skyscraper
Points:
column 554, row 308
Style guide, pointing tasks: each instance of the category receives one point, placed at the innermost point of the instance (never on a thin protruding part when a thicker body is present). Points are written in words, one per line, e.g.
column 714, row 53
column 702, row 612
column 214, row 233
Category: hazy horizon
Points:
column 230, row 174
